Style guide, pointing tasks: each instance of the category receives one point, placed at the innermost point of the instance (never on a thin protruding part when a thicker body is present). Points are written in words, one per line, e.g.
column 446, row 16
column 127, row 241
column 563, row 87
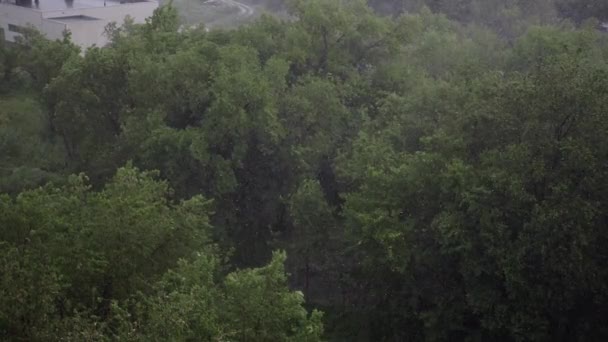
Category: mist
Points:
column 305, row 170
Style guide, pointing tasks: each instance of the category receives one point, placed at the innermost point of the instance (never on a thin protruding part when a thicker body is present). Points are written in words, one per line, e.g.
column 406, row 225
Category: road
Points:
column 244, row 10
column 214, row 13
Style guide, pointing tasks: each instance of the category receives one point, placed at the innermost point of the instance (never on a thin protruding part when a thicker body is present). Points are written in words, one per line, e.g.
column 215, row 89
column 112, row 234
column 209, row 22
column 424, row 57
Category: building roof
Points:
column 74, row 18
column 56, row 5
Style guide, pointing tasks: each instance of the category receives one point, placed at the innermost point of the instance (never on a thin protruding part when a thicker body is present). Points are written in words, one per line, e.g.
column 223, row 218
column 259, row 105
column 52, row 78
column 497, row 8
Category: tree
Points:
column 437, row 175
column 580, row 10
column 42, row 58
column 470, row 223
column 104, row 245
column 247, row 305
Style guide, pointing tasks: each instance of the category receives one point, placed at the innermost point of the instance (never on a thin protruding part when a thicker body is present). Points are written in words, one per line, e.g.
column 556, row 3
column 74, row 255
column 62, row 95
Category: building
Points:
column 85, row 19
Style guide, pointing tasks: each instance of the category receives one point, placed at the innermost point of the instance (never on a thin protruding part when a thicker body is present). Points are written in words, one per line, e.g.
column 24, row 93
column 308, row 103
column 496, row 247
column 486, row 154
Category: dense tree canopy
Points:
column 437, row 175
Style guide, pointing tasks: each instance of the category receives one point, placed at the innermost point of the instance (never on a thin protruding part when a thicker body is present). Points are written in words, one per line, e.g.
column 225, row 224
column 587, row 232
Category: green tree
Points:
column 104, row 245
column 248, row 305
column 42, row 58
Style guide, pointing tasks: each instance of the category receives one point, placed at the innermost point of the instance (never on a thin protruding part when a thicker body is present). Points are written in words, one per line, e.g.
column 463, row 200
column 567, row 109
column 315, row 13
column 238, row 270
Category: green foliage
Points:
column 28, row 289
column 250, row 305
column 71, row 255
column 30, row 157
column 261, row 307
column 186, row 305
column 473, row 213
column 41, row 58
column 580, row 10
column 438, row 175
column 104, row 245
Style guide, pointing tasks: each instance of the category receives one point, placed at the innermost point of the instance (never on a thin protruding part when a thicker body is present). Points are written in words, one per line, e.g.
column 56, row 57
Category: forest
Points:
column 423, row 170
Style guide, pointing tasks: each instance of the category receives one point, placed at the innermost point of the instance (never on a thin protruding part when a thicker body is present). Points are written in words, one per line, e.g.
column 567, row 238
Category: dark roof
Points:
column 75, row 18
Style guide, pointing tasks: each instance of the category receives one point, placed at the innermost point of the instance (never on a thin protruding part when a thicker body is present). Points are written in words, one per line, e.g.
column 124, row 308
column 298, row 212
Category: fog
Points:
column 498, row 15
column 428, row 170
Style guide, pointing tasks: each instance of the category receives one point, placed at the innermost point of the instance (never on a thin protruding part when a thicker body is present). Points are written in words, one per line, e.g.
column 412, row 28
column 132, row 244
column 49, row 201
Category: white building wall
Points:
column 52, row 29
column 20, row 16
column 139, row 11
column 85, row 33
column 88, row 33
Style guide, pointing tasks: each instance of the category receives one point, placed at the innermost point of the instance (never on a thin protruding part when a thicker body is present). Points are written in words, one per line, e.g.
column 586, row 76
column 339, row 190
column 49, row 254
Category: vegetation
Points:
column 438, row 175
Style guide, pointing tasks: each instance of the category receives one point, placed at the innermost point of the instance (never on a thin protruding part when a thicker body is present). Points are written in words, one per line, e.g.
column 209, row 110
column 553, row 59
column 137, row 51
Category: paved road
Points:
column 214, row 13
column 244, row 10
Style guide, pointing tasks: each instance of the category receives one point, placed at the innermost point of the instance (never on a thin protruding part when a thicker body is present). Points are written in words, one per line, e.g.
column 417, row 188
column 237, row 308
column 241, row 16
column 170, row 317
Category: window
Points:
column 16, row 28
